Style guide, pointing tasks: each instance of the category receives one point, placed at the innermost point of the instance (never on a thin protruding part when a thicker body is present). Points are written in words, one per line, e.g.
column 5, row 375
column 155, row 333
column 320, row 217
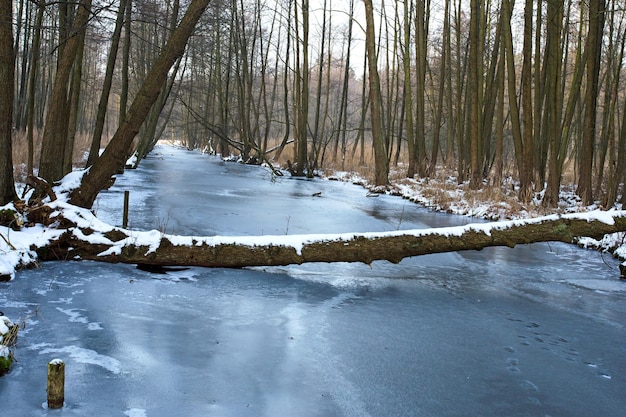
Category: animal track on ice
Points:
column 559, row 345
column 512, row 365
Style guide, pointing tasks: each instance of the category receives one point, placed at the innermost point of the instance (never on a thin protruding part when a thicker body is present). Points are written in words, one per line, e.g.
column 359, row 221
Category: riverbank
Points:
column 445, row 194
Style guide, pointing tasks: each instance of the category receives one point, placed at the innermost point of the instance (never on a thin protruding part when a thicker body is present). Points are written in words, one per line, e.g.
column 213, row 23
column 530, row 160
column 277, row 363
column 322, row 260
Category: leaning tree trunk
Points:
column 117, row 152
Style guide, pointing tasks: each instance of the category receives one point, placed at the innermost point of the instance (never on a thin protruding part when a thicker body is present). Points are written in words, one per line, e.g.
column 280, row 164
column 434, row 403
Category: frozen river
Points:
column 538, row 330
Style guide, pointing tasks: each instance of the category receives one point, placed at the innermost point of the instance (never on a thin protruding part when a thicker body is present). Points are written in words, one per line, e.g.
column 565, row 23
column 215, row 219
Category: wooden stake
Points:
column 125, row 215
column 56, row 383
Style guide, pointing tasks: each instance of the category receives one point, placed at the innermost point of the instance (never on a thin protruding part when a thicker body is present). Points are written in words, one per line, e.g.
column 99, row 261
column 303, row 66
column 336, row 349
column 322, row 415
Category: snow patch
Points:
column 596, row 215
column 74, row 315
column 16, row 248
column 70, row 182
column 136, row 412
column 94, row 326
column 598, row 284
column 5, row 323
column 81, row 355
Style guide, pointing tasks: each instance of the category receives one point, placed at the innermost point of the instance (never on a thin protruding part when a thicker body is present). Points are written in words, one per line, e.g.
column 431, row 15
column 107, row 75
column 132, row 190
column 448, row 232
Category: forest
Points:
column 481, row 90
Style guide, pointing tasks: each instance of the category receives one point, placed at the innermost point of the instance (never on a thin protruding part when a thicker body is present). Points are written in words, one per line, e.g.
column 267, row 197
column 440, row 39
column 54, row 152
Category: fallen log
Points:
column 89, row 240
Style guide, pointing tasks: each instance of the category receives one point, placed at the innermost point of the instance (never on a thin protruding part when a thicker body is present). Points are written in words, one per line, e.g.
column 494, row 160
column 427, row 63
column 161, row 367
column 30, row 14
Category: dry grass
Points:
column 20, row 152
column 444, row 193
column 9, row 339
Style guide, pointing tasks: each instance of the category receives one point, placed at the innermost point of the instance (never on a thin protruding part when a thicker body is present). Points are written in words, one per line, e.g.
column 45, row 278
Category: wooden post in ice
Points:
column 125, row 215
column 56, row 383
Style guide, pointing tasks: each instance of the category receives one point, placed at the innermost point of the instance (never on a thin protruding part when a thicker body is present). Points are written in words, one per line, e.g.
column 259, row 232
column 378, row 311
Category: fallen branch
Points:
column 41, row 184
column 84, row 241
column 8, row 242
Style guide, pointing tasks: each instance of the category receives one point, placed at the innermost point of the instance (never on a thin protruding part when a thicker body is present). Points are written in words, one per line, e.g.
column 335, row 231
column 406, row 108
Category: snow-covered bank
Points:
column 447, row 195
column 18, row 248
column 8, row 333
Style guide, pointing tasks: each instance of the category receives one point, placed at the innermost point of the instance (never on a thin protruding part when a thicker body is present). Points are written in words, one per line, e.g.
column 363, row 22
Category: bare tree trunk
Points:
column 125, row 61
column 450, row 120
column 365, row 100
column 516, row 127
column 460, row 88
column 489, row 98
column 620, row 171
column 32, row 77
column 94, row 150
column 499, row 130
column 51, row 166
column 315, row 137
column 73, row 103
column 526, row 170
column 381, row 170
column 19, row 113
column 611, row 93
column 539, row 144
column 421, row 35
column 475, row 102
column 269, row 108
column 243, row 51
column 148, row 133
column 441, row 94
column 593, row 55
column 408, row 92
column 392, row 83
column 553, row 101
column 617, row 160
column 285, row 79
column 302, row 93
column 343, row 108
column 7, row 78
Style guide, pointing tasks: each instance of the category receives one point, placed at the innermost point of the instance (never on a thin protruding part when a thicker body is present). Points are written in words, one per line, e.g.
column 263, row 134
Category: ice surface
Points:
column 532, row 331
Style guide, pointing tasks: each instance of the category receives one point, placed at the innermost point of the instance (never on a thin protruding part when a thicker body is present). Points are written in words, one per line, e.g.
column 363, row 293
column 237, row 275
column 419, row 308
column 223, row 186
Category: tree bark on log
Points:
column 153, row 248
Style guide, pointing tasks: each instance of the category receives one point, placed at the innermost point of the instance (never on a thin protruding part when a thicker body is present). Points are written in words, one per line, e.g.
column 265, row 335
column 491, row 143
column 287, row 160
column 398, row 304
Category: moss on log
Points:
column 5, row 364
column 356, row 247
column 8, row 338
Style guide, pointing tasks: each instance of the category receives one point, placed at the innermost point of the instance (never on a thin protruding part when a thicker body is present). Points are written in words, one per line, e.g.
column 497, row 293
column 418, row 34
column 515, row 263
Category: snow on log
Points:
column 87, row 238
